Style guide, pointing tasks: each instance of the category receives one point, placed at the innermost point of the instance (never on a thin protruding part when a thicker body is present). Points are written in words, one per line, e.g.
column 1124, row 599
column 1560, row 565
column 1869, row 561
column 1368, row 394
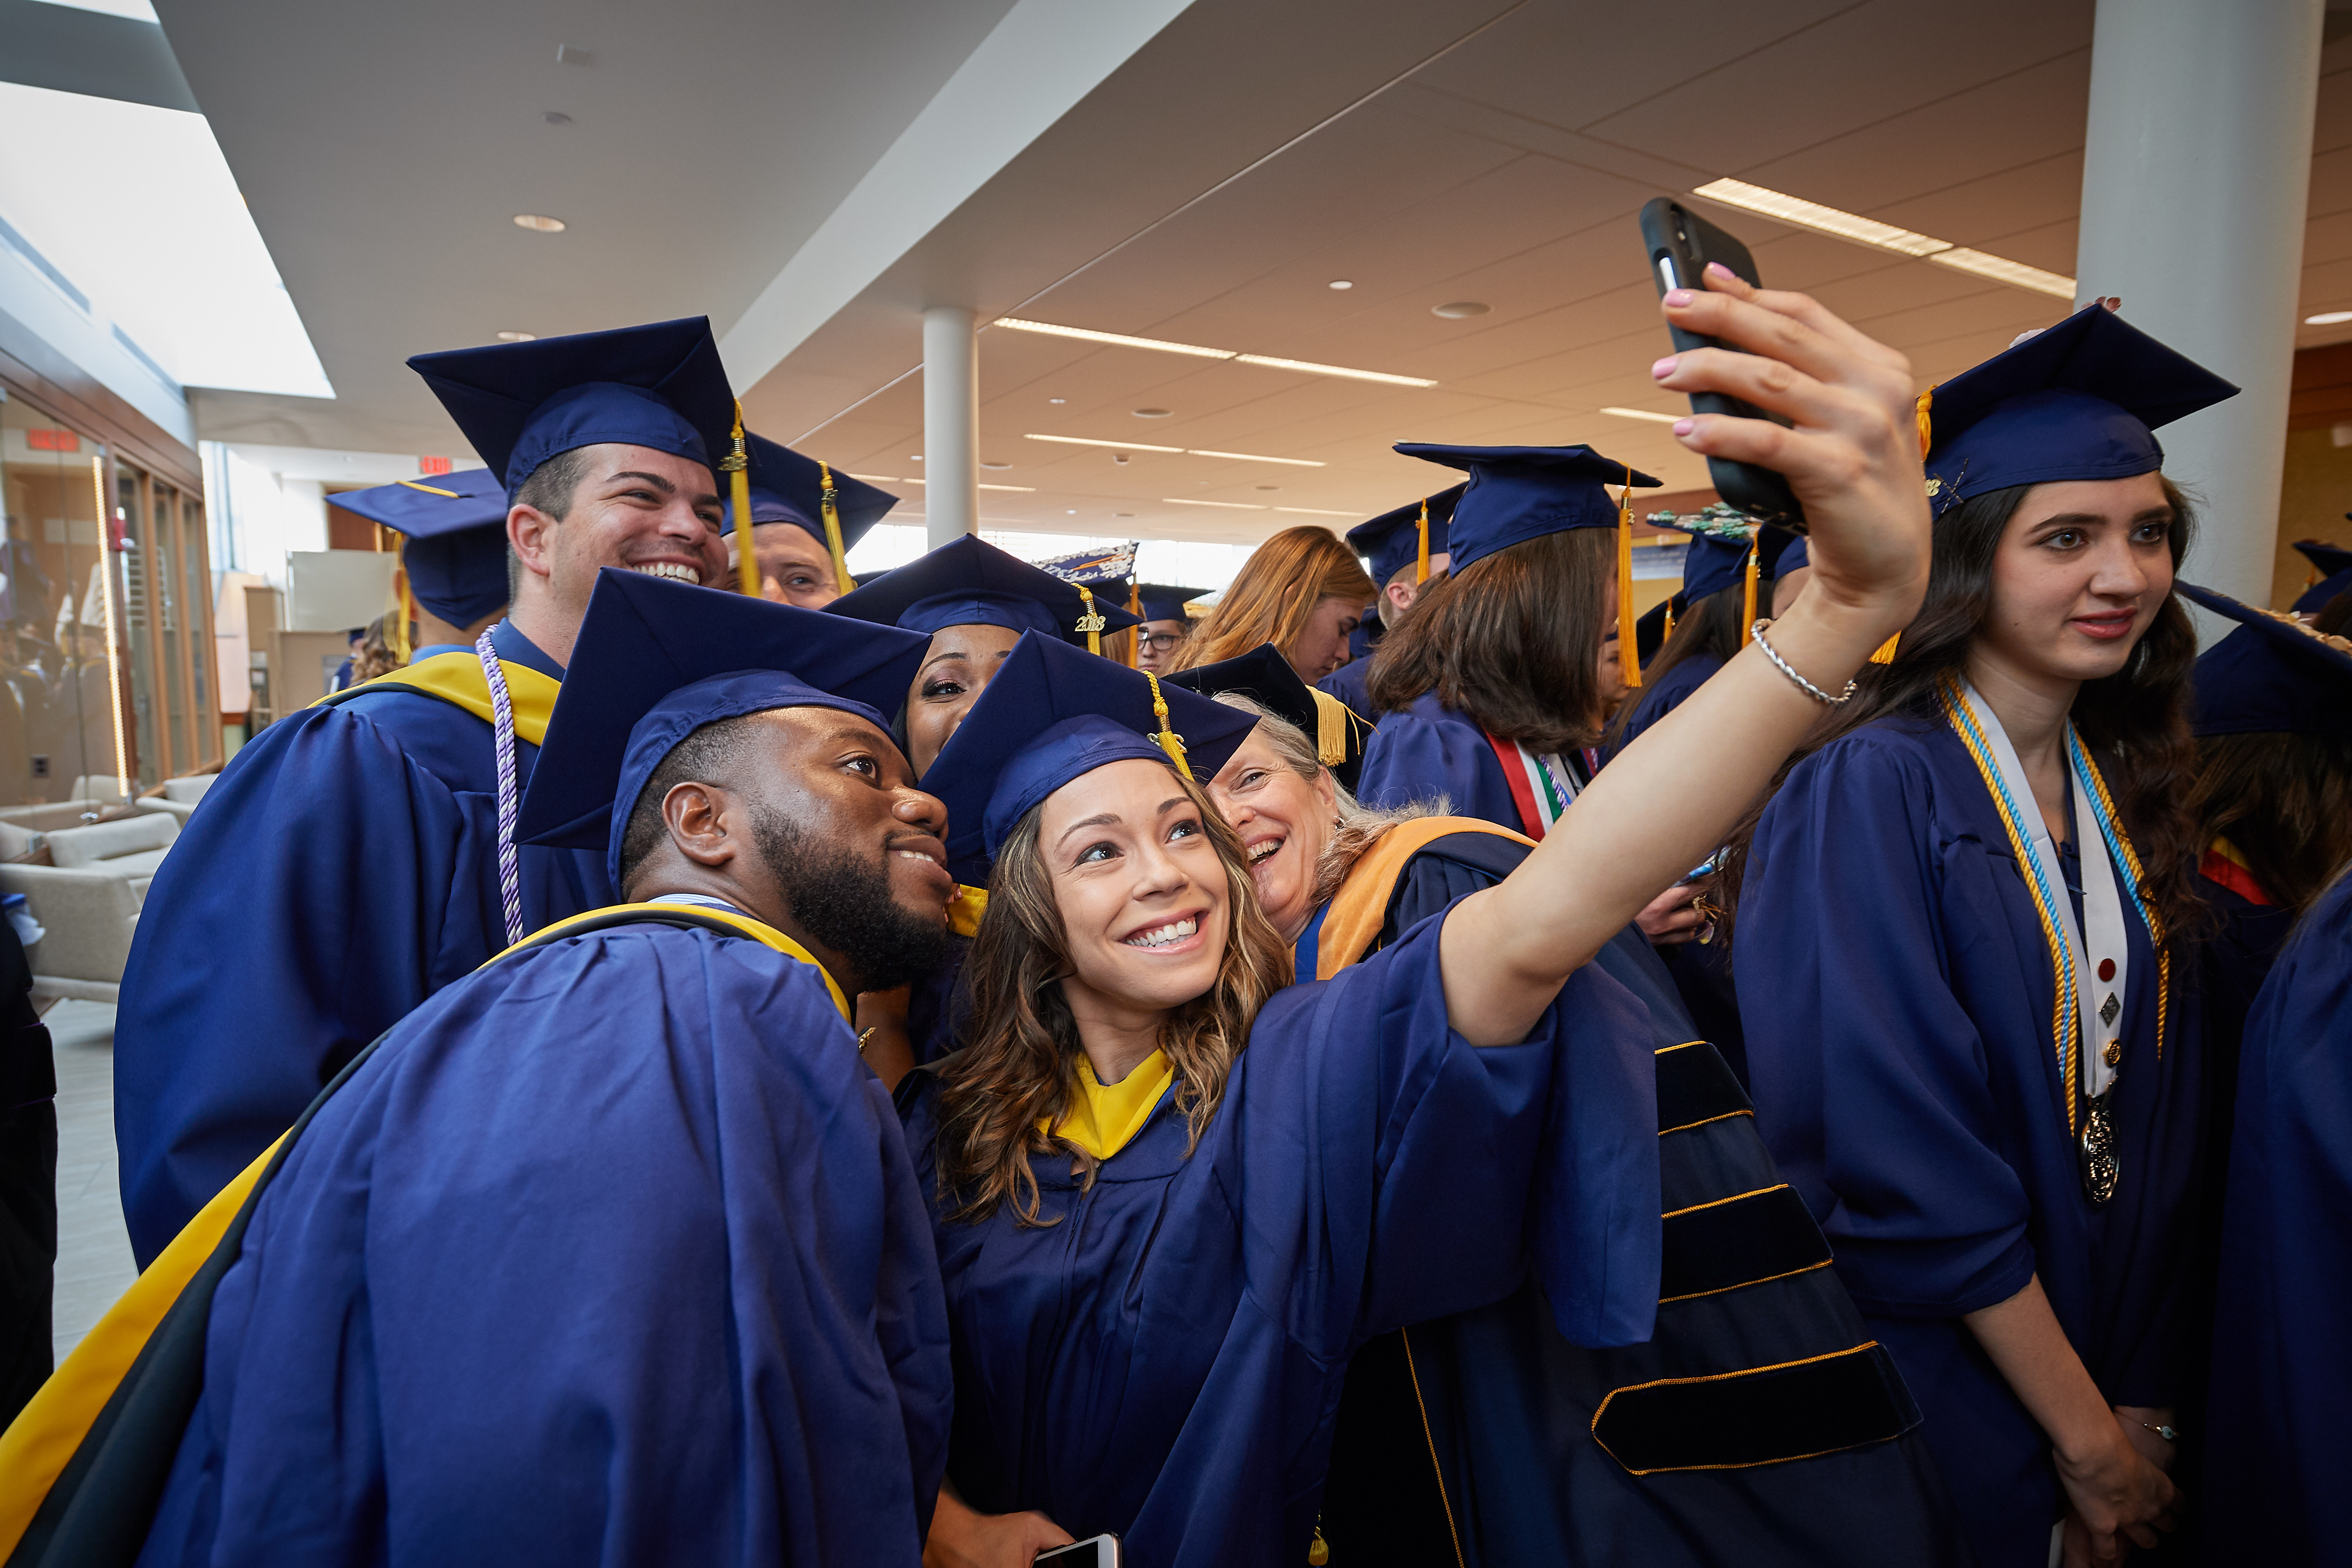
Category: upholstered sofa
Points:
column 87, row 900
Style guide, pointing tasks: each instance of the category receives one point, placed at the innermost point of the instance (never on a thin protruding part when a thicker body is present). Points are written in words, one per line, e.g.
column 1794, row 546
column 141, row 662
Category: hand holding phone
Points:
column 1096, row 1552
column 1681, row 244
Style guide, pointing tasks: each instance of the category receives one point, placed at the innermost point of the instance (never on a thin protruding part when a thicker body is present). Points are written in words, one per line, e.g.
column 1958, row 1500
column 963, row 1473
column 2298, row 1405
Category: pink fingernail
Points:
column 1717, row 269
column 1679, row 296
column 1664, row 368
column 1684, row 426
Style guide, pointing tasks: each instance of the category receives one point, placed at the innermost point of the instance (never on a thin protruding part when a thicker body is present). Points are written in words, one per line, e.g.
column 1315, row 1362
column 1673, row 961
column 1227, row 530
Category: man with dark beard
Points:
column 611, row 1251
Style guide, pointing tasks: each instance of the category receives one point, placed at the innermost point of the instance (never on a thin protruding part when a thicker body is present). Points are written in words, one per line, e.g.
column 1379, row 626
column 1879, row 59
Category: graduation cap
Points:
column 1266, row 677
column 832, row 508
column 1053, row 714
column 2079, row 401
column 970, row 582
column 2334, row 564
column 1162, row 601
column 1517, row 493
column 456, row 525
column 1408, row 536
column 2272, row 675
column 661, row 385
column 1726, row 548
column 656, row 660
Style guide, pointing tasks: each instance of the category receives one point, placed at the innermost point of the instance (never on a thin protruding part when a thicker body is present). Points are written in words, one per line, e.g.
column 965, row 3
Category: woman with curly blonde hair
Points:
column 1173, row 1194
column 1303, row 590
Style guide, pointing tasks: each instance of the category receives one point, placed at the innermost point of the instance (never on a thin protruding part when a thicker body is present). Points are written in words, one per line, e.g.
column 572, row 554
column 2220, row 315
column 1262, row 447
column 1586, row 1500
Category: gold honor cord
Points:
column 829, row 504
column 1420, row 572
column 1170, row 741
column 737, row 465
column 1092, row 622
column 1629, row 655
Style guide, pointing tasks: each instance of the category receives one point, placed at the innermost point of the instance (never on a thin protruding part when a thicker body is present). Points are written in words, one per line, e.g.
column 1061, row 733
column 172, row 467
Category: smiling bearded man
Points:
column 612, row 1251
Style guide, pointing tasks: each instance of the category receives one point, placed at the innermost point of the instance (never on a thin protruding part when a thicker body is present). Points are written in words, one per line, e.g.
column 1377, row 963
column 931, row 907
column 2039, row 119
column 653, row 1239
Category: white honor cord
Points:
column 2103, row 903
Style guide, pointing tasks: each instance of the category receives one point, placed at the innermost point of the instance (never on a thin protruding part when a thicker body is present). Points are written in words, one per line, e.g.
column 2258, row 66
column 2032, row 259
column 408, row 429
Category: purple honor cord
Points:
column 502, row 727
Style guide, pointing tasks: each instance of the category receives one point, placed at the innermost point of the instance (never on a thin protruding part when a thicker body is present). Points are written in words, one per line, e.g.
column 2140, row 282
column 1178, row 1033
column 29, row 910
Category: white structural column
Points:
column 950, row 425
column 2195, row 171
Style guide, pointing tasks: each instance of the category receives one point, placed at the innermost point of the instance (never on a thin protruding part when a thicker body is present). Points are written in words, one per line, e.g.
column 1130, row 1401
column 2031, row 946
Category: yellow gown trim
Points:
column 456, row 679
column 36, row 1448
column 965, row 909
column 1104, row 1117
column 758, row 931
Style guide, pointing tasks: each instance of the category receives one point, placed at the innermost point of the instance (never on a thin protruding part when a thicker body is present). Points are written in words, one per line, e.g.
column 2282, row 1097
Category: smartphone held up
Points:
column 1681, row 244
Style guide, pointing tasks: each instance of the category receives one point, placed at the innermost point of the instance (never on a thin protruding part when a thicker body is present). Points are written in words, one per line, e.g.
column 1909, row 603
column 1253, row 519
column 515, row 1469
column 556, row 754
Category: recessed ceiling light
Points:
column 914, row 456
column 1164, row 346
column 1152, row 413
column 1642, row 414
column 1060, row 400
column 1122, row 514
column 2328, row 318
column 1862, row 230
column 1342, row 283
column 518, row 336
column 1073, row 512
column 1268, row 487
column 539, row 222
column 989, row 465
column 556, row 117
column 1457, row 309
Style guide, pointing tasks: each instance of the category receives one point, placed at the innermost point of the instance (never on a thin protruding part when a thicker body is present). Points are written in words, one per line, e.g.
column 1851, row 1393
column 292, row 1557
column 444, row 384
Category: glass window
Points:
column 57, row 686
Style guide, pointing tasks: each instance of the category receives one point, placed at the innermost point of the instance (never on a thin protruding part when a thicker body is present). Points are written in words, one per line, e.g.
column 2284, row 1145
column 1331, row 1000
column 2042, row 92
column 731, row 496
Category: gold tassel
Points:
column 1330, row 728
column 1090, row 623
column 430, row 489
column 1629, row 652
column 1885, row 653
column 1748, row 602
column 829, row 502
column 1670, row 623
column 1170, row 741
column 406, row 614
column 1420, row 572
column 1319, row 1551
column 1135, row 632
column 1927, row 425
column 737, row 466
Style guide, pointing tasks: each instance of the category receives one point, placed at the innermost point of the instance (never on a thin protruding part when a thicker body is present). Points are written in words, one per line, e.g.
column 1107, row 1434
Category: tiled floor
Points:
column 93, row 1250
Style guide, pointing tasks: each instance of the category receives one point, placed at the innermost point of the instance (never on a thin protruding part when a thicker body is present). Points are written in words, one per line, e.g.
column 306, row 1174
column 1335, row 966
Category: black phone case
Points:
column 1674, row 235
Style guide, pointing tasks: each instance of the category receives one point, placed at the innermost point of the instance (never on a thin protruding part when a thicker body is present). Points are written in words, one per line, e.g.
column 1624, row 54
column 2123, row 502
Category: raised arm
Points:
column 1662, row 806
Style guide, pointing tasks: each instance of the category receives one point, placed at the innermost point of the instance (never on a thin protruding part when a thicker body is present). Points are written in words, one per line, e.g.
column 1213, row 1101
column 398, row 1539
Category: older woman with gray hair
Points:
column 1474, row 1437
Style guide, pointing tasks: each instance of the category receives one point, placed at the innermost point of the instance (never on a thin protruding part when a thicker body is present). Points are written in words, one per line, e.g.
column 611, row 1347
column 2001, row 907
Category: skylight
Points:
column 144, row 221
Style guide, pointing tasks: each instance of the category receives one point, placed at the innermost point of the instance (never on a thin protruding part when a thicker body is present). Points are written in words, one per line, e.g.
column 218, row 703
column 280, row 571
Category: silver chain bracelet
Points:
column 1782, row 665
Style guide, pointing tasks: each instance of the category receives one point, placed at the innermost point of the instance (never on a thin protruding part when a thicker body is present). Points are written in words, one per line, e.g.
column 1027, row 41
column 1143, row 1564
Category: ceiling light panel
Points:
column 1086, row 441
column 1642, row 414
column 1228, row 505
column 1257, row 458
column 1829, row 220
column 1162, row 345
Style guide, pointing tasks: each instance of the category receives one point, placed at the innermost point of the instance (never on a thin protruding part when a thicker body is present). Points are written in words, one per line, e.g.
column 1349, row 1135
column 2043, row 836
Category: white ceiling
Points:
column 1207, row 191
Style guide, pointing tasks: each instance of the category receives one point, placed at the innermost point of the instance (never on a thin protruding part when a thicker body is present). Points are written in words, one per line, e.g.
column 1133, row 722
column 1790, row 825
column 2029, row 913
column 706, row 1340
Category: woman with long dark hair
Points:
column 1959, row 948
column 1173, row 1191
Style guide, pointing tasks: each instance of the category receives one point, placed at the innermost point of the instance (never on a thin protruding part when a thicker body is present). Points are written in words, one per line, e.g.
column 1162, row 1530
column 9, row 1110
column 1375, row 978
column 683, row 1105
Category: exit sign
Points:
column 430, row 465
column 55, row 441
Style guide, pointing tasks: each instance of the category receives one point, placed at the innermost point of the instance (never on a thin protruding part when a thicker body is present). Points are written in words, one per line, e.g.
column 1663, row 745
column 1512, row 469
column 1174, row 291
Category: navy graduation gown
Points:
column 1505, row 1406
column 343, row 869
column 2279, row 1447
column 1163, row 1359
column 1896, row 993
column 1429, row 749
column 611, row 1253
column 1350, row 684
column 1663, row 695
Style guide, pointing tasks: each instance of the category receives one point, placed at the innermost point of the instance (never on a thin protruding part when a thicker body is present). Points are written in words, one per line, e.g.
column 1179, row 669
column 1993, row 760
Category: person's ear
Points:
column 1400, row 594
column 1326, row 791
column 698, row 818
column 532, row 532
